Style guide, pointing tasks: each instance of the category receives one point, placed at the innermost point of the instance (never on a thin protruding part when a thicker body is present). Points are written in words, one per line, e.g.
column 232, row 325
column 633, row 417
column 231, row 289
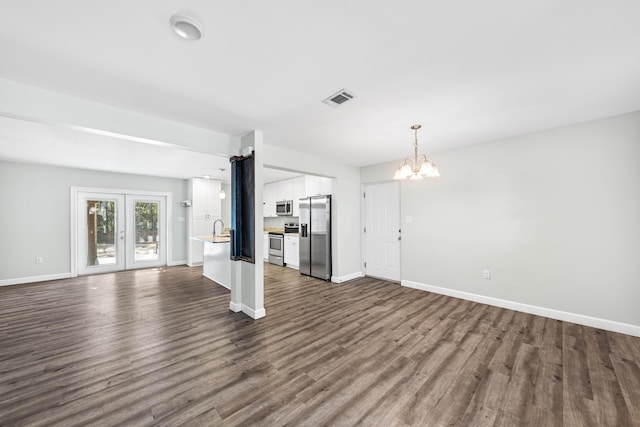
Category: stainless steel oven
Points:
column 276, row 248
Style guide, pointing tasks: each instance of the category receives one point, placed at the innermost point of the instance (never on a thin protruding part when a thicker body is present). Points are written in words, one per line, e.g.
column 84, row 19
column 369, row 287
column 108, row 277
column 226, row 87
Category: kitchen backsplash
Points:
column 278, row 222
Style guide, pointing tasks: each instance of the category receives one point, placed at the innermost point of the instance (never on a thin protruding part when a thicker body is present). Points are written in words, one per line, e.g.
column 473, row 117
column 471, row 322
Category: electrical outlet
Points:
column 486, row 274
column 39, row 260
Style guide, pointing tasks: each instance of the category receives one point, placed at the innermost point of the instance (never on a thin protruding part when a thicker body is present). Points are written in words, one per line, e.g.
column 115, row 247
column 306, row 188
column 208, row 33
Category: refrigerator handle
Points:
column 303, row 230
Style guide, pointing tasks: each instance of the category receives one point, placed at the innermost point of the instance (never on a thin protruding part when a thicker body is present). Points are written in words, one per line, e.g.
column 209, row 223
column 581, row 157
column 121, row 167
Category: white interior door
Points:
column 101, row 230
column 382, row 235
column 120, row 232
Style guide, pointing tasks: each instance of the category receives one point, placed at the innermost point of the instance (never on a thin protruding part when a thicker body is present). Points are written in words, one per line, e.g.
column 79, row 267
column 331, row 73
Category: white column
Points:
column 247, row 279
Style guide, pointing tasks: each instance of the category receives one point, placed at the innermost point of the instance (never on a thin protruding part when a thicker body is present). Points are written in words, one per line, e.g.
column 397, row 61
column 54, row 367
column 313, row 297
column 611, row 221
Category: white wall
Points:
column 555, row 215
column 345, row 204
column 35, row 214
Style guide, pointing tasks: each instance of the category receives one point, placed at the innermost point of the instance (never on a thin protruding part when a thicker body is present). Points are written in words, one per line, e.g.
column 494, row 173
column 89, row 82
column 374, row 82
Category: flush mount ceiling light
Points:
column 416, row 167
column 186, row 27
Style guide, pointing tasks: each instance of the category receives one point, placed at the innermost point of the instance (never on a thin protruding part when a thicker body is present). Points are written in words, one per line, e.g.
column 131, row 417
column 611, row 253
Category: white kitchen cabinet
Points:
column 205, row 199
column 216, row 265
column 291, row 251
column 298, row 192
column 313, row 185
column 205, row 209
column 275, row 192
column 326, row 185
column 269, row 199
column 285, row 189
column 317, row 185
column 293, row 189
column 265, row 247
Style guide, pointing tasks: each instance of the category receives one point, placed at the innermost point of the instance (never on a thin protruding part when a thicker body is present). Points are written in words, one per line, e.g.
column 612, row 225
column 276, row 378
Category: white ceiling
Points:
column 468, row 71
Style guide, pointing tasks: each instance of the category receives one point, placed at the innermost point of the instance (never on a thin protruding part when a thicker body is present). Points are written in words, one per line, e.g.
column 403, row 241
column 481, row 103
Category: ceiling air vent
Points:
column 338, row 98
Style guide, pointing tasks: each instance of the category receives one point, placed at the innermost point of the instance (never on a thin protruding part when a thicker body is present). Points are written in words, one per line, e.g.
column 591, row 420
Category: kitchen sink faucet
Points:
column 214, row 226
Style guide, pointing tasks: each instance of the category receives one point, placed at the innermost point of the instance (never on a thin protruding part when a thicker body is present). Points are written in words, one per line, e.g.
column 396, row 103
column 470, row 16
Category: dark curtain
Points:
column 242, row 209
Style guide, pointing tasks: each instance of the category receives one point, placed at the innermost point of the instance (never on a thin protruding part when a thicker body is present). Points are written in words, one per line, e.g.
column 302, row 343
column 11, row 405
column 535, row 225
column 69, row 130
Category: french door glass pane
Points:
column 146, row 222
column 101, row 234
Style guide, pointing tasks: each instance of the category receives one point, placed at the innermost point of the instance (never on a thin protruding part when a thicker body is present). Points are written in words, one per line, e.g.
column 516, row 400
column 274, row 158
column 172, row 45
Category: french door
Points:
column 120, row 232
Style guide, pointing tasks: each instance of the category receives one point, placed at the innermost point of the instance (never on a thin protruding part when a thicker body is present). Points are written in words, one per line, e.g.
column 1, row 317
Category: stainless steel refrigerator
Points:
column 315, row 236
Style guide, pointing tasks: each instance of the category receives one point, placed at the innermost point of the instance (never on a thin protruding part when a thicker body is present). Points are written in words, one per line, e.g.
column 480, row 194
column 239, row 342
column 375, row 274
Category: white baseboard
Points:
column 609, row 325
column 32, row 279
column 254, row 314
column 347, row 277
column 179, row 262
column 194, row 264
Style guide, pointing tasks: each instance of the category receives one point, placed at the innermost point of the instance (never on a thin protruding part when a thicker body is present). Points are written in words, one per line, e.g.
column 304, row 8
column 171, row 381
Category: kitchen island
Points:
column 217, row 263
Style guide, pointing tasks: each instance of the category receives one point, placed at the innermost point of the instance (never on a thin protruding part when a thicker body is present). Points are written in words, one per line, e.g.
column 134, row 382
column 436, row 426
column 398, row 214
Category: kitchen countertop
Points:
column 225, row 238
column 280, row 231
column 221, row 238
column 273, row 230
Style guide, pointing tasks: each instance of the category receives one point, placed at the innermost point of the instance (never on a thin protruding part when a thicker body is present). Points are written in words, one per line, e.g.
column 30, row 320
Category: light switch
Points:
column 408, row 219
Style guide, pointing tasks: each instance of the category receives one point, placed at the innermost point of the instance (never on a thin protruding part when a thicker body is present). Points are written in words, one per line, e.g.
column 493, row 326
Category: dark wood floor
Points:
column 160, row 347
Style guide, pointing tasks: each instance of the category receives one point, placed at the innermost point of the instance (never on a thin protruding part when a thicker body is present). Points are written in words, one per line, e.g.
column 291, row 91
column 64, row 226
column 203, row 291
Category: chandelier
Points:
column 416, row 167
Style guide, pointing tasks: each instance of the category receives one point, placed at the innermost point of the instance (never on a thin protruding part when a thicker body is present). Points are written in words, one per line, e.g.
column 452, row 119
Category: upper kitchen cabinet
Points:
column 299, row 191
column 269, row 199
column 317, row 185
column 285, row 189
column 293, row 189
column 275, row 192
column 205, row 199
column 327, row 186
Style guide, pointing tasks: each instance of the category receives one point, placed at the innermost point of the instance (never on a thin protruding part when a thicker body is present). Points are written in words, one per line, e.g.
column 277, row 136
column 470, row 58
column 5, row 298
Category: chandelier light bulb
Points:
column 426, row 169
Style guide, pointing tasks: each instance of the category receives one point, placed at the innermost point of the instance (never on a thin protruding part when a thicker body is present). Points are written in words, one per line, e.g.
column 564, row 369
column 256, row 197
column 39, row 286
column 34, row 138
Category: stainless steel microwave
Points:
column 284, row 208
